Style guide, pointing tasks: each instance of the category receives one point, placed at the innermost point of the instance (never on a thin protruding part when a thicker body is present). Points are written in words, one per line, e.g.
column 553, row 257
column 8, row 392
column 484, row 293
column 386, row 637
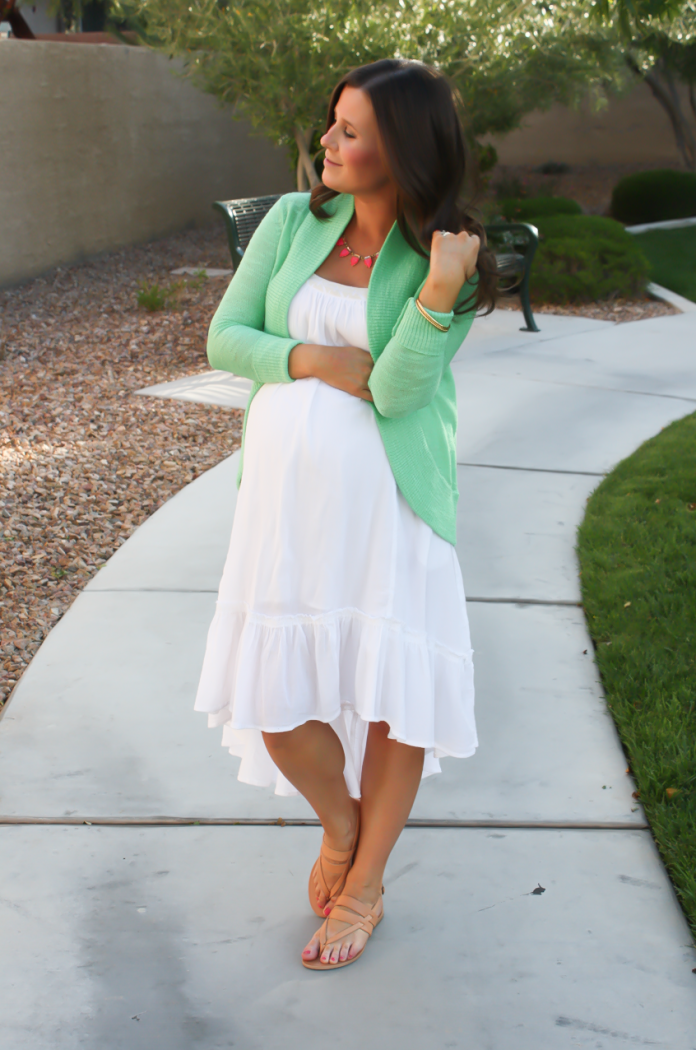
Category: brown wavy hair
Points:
column 428, row 158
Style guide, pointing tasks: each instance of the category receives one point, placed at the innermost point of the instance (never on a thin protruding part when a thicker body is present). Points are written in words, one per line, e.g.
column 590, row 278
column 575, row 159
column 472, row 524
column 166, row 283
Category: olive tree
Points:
column 275, row 61
column 658, row 41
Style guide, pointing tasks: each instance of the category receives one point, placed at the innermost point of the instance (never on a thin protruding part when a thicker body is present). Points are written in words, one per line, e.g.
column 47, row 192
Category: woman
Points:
column 339, row 659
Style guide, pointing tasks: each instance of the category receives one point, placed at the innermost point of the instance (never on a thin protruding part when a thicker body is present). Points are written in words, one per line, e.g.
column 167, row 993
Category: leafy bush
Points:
column 153, row 297
column 553, row 167
column 510, row 186
column 654, row 196
column 487, row 157
column 516, row 209
column 583, row 258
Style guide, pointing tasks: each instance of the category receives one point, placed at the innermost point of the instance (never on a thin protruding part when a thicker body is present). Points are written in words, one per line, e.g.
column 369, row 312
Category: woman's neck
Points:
column 374, row 217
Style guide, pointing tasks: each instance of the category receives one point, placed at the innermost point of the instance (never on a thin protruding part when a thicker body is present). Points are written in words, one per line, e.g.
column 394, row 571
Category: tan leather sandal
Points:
column 360, row 916
column 330, row 872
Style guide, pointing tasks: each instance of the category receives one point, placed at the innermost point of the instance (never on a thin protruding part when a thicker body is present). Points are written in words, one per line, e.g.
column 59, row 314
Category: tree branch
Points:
column 304, row 163
column 668, row 98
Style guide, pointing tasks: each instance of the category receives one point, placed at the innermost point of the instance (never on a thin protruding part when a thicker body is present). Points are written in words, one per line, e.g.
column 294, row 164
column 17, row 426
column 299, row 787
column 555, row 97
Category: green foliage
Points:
column 153, row 297
column 487, row 157
column 672, row 257
column 658, row 42
column 275, row 62
column 553, row 167
column 584, row 258
column 510, row 187
column 526, row 209
column 637, row 550
column 634, row 15
column 654, row 196
column 583, row 227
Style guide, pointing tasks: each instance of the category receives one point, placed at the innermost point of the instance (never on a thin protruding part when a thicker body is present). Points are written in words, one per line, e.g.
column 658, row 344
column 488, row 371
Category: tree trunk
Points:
column 306, row 172
column 661, row 82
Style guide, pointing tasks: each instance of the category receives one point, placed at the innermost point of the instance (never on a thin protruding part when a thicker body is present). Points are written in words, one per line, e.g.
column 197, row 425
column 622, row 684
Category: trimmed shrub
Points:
column 516, row 209
column 583, row 258
column 654, row 196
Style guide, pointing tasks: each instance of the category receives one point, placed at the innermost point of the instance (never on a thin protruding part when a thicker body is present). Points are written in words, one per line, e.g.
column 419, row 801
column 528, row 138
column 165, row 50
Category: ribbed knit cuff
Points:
column 415, row 333
column 271, row 359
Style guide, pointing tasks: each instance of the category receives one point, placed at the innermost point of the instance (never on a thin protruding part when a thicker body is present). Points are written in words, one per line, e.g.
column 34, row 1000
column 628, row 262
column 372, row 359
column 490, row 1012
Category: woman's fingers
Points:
column 453, row 256
column 347, row 368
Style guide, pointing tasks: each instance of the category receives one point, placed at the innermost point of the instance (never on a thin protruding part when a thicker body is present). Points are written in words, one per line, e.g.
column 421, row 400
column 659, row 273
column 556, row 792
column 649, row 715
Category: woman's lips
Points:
column 331, row 162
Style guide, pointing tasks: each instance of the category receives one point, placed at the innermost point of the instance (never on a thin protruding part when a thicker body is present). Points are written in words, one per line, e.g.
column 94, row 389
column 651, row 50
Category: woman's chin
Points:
column 328, row 177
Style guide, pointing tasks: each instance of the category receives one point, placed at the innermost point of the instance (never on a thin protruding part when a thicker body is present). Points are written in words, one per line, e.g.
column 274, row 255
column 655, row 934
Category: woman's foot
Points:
column 344, row 947
column 342, row 839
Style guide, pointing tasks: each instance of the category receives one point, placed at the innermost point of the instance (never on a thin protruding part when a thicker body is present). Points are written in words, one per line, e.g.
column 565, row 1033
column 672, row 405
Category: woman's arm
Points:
column 236, row 339
column 409, row 370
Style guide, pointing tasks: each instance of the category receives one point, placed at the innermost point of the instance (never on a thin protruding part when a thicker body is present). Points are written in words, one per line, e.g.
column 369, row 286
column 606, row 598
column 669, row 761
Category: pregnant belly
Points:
column 318, row 499
column 316, row 434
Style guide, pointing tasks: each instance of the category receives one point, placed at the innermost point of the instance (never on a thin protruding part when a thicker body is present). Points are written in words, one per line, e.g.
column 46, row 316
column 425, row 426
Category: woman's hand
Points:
column 344, row 367
column 452, row 262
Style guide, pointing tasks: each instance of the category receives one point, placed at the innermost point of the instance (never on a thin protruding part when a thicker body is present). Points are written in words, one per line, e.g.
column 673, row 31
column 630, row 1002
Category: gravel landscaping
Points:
column 84, row 460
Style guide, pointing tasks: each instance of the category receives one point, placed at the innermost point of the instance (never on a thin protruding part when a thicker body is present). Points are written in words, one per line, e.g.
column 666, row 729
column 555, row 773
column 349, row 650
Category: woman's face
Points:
column 354, row 161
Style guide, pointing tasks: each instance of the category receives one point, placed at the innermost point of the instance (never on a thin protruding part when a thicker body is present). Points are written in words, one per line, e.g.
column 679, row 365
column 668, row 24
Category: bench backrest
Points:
column 242, row 217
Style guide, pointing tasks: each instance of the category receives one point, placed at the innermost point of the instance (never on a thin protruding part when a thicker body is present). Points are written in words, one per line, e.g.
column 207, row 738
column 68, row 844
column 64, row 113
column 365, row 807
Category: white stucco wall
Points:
column 104, row 145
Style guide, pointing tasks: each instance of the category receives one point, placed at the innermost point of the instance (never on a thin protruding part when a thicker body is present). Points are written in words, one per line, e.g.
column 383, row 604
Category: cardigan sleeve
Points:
column 408, row 372
column 237, row 341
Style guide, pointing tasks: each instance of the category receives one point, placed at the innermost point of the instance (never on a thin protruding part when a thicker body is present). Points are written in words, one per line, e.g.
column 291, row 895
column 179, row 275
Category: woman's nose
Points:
column 327, row 139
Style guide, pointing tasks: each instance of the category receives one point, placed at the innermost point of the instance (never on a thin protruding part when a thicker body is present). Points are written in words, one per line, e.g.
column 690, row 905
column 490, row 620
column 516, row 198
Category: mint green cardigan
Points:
column 411, row 382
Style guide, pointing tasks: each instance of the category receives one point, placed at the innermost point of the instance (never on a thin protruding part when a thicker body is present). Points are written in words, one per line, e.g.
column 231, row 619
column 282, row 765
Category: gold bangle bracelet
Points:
column 426, row 315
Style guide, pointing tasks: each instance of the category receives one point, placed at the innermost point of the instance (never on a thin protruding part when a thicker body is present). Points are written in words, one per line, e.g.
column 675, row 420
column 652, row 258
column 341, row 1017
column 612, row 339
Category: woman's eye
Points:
column 348, row 135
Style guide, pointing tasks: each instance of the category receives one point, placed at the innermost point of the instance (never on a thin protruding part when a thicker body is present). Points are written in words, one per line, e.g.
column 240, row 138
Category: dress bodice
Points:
column 326, row 313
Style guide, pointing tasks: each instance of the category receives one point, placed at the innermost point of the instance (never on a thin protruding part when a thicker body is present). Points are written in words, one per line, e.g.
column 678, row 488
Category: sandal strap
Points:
column 336, row 856
column 345, row 910
column 340, row 859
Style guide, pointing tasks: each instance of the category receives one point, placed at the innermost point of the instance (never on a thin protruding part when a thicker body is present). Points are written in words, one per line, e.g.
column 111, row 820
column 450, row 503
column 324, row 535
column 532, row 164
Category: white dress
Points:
column 337, row 602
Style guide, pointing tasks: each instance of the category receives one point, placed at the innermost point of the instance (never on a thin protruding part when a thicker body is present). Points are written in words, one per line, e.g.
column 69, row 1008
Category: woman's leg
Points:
column 311, row 757
column 390, row 778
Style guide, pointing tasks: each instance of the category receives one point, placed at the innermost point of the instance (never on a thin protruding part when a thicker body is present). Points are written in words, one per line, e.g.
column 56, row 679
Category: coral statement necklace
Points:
column 355, row 258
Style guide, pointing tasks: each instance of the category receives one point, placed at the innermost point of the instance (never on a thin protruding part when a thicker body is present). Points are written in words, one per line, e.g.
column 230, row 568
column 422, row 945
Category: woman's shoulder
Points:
column 292, row 205
column 296, row 205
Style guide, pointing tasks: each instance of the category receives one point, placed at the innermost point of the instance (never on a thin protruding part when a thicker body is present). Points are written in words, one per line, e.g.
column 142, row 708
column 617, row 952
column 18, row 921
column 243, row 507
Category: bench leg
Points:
column 531, row 325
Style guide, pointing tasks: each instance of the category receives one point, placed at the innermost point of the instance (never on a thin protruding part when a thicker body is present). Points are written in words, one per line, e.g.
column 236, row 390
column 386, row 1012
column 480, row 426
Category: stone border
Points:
column 669, row 224
column 667, row 296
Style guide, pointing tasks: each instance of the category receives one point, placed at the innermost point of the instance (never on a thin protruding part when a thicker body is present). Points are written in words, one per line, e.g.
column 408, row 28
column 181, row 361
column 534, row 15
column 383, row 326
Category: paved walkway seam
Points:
column 294, row 822
column 535, row 470
column 210, row 590
column 527, row 601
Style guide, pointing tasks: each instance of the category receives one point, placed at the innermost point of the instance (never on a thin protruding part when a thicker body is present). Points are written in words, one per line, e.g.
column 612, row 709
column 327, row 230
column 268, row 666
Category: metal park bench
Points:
column 241, row 220
column 514, row 244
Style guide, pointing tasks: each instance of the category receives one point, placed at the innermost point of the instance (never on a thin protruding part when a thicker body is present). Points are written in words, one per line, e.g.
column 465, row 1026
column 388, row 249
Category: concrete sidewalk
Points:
column 124, row 934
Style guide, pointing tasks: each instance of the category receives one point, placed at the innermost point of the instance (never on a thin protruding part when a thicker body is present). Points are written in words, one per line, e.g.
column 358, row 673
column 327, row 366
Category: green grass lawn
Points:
column 672, row 256
column 637, row 549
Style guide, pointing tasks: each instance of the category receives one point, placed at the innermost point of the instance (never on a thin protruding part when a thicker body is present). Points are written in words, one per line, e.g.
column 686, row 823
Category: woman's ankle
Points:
column 365, row 886
column 340, row 830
